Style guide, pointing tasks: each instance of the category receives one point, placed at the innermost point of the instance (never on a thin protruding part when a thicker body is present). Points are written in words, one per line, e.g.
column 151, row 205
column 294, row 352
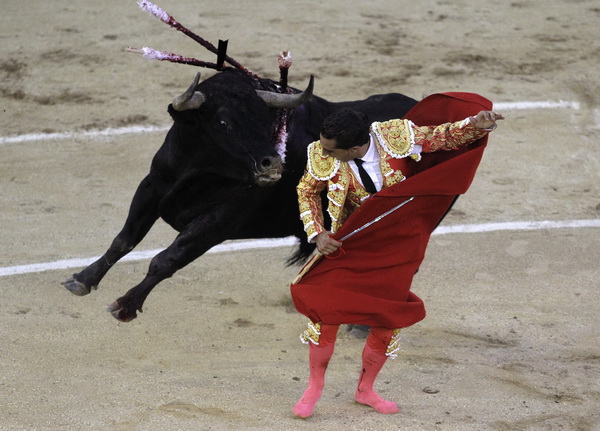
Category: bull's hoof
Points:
column 121, row 311
column 76, row 287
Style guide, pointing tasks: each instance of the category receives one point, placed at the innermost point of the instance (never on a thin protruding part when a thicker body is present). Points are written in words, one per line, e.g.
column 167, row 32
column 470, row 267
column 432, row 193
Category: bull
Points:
column 219, row 175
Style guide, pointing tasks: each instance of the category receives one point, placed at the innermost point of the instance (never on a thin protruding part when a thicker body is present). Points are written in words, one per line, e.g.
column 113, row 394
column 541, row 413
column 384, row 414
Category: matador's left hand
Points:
column 486, row 119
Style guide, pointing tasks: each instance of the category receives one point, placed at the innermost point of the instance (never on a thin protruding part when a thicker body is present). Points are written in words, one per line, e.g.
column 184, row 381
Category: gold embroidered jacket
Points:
column 395, row 142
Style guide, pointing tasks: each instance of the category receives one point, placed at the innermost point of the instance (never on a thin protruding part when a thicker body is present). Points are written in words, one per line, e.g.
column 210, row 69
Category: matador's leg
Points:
column 381, row 344
column 321, row 340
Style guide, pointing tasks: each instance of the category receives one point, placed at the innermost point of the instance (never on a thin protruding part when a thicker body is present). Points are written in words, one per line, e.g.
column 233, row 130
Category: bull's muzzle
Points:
column 268, row 171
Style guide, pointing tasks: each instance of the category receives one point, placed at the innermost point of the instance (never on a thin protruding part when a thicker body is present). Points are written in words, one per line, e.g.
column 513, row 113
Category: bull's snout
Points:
column 268, row 170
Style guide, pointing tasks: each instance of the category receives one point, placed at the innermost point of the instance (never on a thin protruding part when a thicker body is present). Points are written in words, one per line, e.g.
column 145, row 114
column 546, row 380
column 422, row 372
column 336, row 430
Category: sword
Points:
column 376, row 219
column 317, row 256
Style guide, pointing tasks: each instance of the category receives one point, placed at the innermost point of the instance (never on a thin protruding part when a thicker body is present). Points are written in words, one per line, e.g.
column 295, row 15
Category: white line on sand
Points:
column 91, row 134
column 290, row 241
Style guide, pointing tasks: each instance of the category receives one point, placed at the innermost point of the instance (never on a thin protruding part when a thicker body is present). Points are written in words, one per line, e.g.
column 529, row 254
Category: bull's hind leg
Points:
column 143, row 213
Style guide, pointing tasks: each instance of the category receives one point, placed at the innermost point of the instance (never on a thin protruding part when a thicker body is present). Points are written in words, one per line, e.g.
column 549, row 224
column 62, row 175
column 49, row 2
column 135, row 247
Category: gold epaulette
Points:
column 321, row 167
column 395, row 136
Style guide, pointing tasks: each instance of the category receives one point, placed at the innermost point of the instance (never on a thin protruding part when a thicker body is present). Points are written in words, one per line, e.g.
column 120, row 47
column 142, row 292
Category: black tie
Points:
column 365, row 177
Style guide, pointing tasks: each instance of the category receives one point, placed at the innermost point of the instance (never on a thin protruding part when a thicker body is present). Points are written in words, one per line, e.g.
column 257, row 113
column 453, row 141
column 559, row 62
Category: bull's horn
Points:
column 277, row 100
column 191, row 99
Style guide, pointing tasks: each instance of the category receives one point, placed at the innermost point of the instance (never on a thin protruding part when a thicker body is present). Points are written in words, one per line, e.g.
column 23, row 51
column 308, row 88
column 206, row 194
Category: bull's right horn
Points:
column 191, row 99
column 277, row 100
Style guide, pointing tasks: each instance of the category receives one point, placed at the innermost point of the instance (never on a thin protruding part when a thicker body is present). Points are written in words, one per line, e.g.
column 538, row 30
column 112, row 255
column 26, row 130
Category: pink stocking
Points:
column 374, row 358
column 319, row 356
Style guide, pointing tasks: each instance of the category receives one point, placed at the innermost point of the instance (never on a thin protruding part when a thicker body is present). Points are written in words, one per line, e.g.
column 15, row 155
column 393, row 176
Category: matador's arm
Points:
column 447, row 136
column 309, row 201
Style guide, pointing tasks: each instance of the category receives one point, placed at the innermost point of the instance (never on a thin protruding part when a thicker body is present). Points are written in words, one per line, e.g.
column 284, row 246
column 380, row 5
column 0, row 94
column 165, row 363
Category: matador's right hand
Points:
column 326, row 244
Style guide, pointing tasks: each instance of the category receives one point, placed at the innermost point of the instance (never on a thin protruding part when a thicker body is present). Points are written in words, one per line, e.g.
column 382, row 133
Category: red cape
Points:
column 370, row 283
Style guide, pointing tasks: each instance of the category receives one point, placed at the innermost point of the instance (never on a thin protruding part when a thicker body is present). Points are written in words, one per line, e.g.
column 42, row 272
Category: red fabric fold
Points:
column 370, row 283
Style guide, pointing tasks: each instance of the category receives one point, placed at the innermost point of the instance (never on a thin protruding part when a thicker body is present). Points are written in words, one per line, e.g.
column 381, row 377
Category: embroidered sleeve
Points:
column 309, row 201
column 447, row 136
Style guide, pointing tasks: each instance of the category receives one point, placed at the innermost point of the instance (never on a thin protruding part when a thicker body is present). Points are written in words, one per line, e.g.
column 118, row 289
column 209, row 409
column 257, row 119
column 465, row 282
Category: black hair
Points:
column 349, row 128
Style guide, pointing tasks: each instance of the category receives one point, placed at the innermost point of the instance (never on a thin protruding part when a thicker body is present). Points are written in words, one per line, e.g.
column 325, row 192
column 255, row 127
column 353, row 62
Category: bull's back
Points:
column 381, row 107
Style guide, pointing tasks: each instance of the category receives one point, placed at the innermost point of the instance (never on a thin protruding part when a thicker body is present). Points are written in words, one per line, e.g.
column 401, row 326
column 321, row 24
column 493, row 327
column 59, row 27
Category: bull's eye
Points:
column 224, row 124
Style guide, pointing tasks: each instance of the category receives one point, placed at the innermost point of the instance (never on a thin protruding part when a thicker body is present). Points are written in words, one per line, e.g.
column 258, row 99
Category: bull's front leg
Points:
column 197, row 238
column 143, row 213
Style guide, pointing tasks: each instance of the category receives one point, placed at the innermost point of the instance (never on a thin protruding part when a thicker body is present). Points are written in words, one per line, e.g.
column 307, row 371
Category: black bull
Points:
column 218, row 175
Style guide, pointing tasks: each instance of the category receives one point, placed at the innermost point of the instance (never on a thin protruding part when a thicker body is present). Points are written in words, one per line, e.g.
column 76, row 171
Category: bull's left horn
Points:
column 191, row 99
column 277, row 100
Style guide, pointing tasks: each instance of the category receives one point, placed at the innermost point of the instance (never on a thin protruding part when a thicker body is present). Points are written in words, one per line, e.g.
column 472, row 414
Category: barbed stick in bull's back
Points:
column 162, row 15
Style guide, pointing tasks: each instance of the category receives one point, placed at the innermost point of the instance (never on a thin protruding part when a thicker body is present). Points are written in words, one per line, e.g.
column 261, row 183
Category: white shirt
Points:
column 371, row 164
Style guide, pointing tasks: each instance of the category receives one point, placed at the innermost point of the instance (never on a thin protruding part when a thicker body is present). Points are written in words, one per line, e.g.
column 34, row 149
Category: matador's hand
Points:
column 486, row 119
column 326, row 244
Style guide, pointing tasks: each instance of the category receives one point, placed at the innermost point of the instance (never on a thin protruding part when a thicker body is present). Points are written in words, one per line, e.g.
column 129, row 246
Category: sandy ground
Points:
column 511, row 338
